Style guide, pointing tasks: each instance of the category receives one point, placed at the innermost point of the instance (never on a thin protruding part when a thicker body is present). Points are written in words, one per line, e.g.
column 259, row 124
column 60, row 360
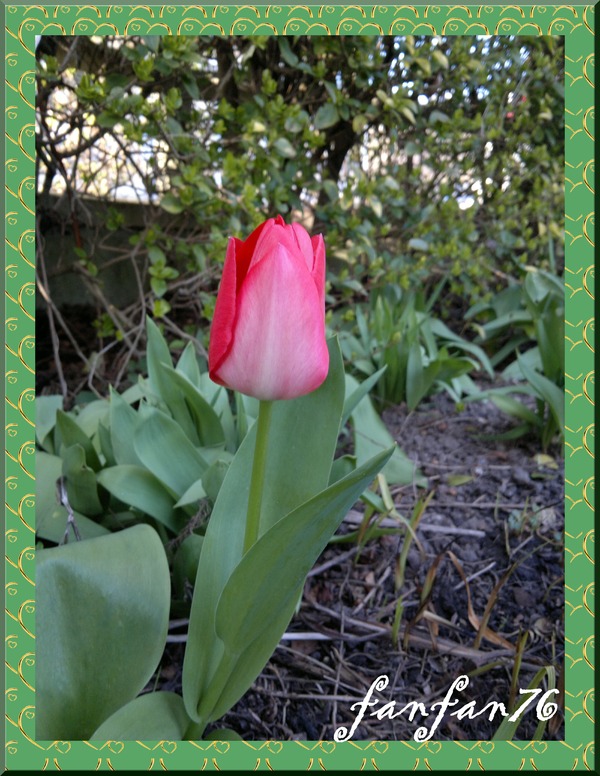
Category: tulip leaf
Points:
column 218, row 399
column 161, row 384
column 50, row 517
column 82, row 487
column 549, row 391
column 123, row 423
column 155, row 716
column 101, row 624
column 188, row 364
column 193, row 494
column 46, row 408
column 213, row 478
column 371, row 436
column 140, row 489
column 299, row 460
column 72, row 434
column 185, row 563
column 355, row 394
column 167, row 452
column 105, row 442
column 341, row 467
column 271, row 574
column 208, row 426
column 91, row 416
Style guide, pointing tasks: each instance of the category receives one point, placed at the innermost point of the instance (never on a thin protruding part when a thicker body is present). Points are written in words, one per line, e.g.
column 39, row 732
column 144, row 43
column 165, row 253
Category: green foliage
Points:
column 420, row 354
column 104, row 602
column 418, row 157
column 159, row 453
column 102, row 617
column 525, row 328
column 220, row 663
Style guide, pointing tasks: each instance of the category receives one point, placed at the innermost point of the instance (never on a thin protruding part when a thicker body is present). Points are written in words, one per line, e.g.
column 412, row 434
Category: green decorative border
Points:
column 22, row 23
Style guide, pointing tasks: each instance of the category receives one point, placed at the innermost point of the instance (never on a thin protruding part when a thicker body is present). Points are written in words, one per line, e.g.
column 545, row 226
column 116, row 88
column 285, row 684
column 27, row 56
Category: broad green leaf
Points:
column 326, row 116
column 207, row 424
column 218, row 399
column 355, row 395
column 91, row 415
column 54, row 525
column 105, row 443
column 286, row 553
column 101, row 622
column 221, row 551
column 140, row 489
column 50, row 517
column 299, row 460
column 161, row 384
column 371, row 437
column 270, row 576
column 167, row 452
column 287, row 54
column 46, row 408
column 438, row 116
column 155, row 716
column 72, row 434
column 549, row 391
column 123, row 422
column 185, row 563
column 172, row 204
column 284, row 148
column 214, row 476
column 82, row 486
column 193, row 494
column 417, row 244
column 359, row 122
column 188, row 364
column 342, row 467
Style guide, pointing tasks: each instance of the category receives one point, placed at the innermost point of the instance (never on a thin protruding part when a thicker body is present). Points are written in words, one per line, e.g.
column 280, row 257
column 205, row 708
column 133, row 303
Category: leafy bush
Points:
column 418, row 157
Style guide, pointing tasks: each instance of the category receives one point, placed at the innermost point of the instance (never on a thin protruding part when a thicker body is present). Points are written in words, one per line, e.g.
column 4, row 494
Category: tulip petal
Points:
column 304, row 243
column 221, row 333
column 280, row 234
column 247, row 247
column 279, row 349
column 318, row 270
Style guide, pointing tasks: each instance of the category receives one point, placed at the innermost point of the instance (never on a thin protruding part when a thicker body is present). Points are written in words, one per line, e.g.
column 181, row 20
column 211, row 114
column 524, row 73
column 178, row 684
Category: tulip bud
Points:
column 267, row 338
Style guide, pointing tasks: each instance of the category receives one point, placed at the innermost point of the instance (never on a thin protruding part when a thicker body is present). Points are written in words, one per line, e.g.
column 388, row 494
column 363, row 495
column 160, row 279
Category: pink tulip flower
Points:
column 268, row 333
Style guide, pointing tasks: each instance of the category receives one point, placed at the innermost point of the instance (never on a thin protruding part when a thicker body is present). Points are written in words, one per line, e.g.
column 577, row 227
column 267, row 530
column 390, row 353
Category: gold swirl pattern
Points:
column 22, row 24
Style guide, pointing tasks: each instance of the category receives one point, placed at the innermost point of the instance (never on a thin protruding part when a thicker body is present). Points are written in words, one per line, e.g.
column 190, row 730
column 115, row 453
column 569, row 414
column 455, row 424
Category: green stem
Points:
column 194, row 731
column 258, row 474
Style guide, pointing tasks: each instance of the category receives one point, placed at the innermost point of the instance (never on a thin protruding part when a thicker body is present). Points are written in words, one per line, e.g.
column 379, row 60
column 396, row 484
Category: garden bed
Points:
column 498, row 507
